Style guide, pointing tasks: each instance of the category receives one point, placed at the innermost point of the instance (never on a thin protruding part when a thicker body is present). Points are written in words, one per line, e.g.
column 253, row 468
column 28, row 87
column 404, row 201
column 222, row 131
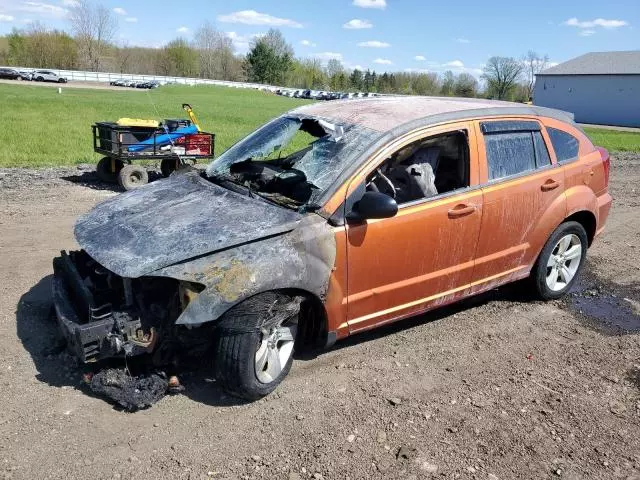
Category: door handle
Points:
column 549, row 185
column 461, row 210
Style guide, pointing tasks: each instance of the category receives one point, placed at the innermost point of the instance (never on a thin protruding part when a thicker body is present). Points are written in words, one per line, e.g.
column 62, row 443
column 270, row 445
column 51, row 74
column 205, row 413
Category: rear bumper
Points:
column 604, row 206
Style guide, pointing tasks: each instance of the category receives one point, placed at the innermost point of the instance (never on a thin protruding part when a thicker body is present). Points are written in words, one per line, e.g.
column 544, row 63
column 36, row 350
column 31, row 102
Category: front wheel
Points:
column 255, row 344
column 560, row 261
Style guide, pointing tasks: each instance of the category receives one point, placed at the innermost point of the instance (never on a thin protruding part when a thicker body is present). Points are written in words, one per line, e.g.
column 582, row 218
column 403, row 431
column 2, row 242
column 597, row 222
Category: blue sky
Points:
column 392, row 35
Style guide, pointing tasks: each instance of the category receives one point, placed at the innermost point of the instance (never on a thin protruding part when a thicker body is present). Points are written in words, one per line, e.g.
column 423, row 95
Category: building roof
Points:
column 599, row 63
column 384, row 114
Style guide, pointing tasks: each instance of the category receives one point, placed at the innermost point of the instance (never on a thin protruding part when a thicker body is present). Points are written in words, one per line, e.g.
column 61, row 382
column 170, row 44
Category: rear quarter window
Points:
column 564, row 144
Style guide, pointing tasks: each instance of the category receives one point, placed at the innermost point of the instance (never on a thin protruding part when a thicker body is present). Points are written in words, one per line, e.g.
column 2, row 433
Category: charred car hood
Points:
column 173, row 220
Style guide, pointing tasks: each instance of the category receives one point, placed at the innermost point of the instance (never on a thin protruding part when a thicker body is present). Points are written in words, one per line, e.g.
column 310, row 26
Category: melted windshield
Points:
column 291, row 160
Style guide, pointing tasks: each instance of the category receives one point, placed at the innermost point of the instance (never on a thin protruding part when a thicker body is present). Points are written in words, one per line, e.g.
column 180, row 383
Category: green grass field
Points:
column 43, row 128
column 614, row 140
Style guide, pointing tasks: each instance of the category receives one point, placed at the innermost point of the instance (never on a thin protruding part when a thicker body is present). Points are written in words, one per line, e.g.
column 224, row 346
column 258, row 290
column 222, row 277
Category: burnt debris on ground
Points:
column 129, row 392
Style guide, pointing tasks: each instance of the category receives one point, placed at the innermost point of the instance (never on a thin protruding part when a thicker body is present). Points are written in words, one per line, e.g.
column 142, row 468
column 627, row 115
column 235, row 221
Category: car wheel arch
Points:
column 588, row 221
column 313, row 315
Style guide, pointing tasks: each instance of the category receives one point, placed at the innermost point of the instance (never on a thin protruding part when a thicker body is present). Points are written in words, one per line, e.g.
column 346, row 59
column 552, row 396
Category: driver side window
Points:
column 427, row 168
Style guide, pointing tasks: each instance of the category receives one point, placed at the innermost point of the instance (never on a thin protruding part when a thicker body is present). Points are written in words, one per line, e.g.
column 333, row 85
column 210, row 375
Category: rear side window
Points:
column 509, row 154
column 565, row 145
column 513, row 148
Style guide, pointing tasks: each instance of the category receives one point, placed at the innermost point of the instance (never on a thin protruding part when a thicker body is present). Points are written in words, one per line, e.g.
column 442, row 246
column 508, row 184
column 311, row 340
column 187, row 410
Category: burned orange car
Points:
column 332, row 219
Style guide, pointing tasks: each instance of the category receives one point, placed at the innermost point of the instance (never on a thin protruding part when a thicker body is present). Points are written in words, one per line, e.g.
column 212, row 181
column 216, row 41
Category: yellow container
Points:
column 138, row 122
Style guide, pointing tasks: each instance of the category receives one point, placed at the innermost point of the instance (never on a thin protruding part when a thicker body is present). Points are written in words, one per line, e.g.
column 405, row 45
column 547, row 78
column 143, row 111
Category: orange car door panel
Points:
column 418, row 259
column 519, row 210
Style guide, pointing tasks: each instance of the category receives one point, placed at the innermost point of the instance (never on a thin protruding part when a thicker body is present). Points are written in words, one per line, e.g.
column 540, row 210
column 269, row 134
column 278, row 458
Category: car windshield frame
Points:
column 322, row 164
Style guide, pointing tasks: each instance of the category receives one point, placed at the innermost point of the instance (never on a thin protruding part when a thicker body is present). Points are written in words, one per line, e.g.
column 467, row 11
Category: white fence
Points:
column 80, row 76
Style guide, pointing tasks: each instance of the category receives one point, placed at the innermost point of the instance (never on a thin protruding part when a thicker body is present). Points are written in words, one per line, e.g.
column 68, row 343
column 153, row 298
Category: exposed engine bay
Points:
column 104, row 315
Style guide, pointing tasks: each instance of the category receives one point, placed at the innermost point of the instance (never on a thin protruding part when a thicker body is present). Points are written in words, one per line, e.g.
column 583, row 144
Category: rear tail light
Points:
column 606, row 162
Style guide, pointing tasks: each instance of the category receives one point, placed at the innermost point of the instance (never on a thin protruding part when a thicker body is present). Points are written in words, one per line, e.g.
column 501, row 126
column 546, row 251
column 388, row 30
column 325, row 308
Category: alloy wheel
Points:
column 563, row 262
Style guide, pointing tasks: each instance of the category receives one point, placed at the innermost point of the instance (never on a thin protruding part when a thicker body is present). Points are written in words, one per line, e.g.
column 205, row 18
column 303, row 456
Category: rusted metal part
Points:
column 301, row 259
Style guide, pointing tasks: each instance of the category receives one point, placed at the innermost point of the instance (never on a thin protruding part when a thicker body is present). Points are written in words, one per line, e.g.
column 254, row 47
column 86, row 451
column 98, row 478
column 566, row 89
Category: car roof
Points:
column 387, row 114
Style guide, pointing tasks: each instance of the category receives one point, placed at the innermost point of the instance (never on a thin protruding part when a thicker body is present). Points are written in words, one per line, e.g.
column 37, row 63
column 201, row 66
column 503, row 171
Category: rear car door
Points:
column 423, row 256
column 523, row 199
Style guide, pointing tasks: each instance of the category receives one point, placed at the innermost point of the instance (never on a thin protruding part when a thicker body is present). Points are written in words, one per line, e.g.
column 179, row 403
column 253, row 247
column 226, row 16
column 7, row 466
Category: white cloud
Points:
column 131, row 19
column 587, row 33
column 251, row 17
column 463, row 40
column 383, row 61
column 120, row 11
column 43, row 9
column 381, row 4
column 598, row 22
column 307, row 43
column 183, row 30
column 374, row 44
column 357, row 24
column 454, row 64
column 417, row 70
column 6, row 18
column 328, row 56
column 241, row 42
column 419, row 58
column 70, row 3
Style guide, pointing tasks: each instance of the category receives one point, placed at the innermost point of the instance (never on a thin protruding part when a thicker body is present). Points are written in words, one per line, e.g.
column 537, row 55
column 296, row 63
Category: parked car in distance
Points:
column 47, row 76
column 10, row 74
column 398, row 206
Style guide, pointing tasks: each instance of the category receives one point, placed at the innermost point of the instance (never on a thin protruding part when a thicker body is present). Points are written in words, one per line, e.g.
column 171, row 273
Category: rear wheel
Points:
column 132, row 177
column 255, row 345
column 169, row 165
column 560, row 261
column 107, row 169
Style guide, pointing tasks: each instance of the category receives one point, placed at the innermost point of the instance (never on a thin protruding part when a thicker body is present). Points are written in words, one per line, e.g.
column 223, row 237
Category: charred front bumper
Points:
column 96, row 327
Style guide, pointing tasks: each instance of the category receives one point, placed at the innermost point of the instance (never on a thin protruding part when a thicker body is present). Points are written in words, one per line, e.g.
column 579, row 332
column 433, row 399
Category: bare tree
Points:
column 216, row 53
column 502, row 74
column 94, row 27
column 533, row 64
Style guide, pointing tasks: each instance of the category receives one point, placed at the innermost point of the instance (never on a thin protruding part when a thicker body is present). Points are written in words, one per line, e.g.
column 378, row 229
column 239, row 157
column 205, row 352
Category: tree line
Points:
column 270, row 60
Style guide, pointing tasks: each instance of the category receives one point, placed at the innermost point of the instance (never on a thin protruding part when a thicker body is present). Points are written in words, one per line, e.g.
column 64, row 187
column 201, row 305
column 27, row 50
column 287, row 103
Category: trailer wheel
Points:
column 105, row 172
column 132, row 177
column 169, row 165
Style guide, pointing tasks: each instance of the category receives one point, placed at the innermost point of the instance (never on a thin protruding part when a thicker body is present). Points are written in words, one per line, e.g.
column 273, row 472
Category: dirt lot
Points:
column 496, row 388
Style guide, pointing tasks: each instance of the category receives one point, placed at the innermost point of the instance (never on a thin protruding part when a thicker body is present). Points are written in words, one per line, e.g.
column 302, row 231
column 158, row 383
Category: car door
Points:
column 523, row 199
column 421, row 257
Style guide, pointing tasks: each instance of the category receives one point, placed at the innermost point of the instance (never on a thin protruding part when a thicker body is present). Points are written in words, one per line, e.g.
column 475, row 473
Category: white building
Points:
column 599, row 88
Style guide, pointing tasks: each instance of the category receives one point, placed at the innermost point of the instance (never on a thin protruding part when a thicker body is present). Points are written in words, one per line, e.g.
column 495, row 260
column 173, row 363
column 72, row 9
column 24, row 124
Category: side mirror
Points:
column 373, row 205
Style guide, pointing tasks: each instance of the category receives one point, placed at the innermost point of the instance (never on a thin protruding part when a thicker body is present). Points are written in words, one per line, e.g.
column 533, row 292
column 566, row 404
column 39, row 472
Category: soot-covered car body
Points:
column 332, row 219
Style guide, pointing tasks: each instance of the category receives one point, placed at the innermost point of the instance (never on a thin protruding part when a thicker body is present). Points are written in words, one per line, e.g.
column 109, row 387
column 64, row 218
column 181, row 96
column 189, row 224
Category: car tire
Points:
column 131, row 177
column 254, row 347
column 39, row 79
column 105, row 172
column 560, row 262
column 62, row 80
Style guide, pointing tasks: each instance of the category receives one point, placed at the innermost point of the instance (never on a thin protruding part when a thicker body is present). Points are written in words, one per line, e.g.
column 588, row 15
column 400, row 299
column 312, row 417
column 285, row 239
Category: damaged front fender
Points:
column 301, row 259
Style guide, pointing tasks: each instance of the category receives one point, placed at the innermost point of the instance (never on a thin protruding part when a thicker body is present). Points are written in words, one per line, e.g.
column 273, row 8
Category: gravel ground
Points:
column 494, row 388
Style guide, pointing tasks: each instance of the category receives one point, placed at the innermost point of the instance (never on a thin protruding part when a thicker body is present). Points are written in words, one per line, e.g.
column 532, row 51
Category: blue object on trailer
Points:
column 164, row 139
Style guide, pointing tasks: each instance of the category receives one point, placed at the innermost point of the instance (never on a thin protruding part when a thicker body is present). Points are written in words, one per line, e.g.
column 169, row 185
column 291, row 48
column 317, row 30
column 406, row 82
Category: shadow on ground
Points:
column 38, row 332
column 89, row 179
